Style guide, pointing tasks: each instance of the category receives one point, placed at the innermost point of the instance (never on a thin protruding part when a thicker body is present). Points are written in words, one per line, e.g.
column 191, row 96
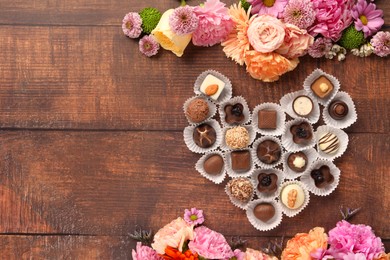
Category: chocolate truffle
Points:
column 338, row 109
column 212, row 87
column 267, row 182
column 267, row 119
column 234, row 113
column 302, row 133
column 213, row 165
column 264, row 211
column 322, row 87
column 237, row 137
column 329, row 143
column 241, row 161
column 322, row 176
column 297, row 161
column 204, row 135
column 302, row 106
column 292, row 196
column 241, row 189
column 198, row 110
column 269, row 152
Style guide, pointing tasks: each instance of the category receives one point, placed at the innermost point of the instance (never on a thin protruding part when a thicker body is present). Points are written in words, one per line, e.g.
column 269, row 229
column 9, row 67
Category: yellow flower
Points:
column 167, row 38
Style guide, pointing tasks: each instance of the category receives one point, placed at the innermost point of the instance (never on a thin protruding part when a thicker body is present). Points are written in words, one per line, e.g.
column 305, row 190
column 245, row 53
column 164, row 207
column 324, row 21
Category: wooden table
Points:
column 91, row 134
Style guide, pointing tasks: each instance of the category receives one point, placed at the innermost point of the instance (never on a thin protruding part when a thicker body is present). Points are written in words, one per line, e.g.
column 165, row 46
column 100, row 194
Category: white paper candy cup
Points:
column 287, row 137
column 290, row 174
column 251, row 132
column 189, row 141
column 315, row 75
column 280, row 121
column 235, row 174
column 308, row 181
column 226, row 93
column 212, row 109
column 255, row 179
column 233, row 101
column 287, row 104
column 348, row 120
column 257, row 223
column 256, row 158
column 293, row 212
column 343, row 141
column 218, row 178
column 236, row 202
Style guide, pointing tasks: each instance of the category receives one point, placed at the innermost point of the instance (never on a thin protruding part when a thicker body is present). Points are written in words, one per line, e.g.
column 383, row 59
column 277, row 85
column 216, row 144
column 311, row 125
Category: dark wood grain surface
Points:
column 91, row 134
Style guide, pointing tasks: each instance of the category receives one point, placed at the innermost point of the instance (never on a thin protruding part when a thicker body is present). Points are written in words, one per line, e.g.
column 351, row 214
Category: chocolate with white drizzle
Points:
column 329, row 143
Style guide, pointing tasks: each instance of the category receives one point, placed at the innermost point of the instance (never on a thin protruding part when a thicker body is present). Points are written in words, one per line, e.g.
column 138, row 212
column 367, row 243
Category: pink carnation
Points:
column 214, row 23
column 144, row 252
column 210, row 244
column 296, row 42
column 274, row 7
column 332, row 17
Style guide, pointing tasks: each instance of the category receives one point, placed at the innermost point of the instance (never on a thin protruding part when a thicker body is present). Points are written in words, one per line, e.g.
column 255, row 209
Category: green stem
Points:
column 183, row 2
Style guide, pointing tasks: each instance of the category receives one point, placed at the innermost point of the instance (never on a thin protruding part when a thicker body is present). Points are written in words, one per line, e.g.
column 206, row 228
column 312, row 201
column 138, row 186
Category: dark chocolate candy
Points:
column 302, row 133
column 268, row 152
column 234, row 113
column 267, row 182
column 264, row 211
column 267, row 119
column 213, row 165
column 292, row 157
column 338, row 109
column 241, row 161
column 322, row 176
column 204, row 136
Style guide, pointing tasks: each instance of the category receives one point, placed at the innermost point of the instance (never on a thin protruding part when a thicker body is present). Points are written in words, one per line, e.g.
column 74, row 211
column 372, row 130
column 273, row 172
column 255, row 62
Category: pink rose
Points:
column 296, row 42
column 173, row 234
column 265, row 33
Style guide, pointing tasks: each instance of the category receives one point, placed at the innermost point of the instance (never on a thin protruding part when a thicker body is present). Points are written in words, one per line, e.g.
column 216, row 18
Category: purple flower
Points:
column 194, row 216
column 367, row 18
column 183, row 20
column 299, row 13
column 381, row 43
column 131, row 25
column 145, row 252
column 148, row 45
column 320, row 47
column 271, row 7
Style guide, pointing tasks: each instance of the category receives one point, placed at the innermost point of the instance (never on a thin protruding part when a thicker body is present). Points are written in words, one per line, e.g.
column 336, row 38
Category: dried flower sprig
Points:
column 236, row 242
column 348, row 213
column 143, row 236
column 274, row 247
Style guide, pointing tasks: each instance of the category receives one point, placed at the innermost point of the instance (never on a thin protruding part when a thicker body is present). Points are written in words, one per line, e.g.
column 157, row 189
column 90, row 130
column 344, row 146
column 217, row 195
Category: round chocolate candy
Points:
column 204, row 135
column 264, row 211
column 213, row 165
column 297, row 161
column 269, row 152
column 292, row 196
column 198, row 110
column 329, row 143
column 338, row 109
column 303, row 105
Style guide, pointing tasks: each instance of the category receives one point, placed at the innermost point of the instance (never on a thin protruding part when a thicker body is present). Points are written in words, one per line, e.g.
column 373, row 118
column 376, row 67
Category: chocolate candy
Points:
column 198, row 110
column 302, row 106
column 212, row 87
column 322, row 176
column 322, row 87
column 264, row 211
column 213, row 165
column 302, row 133
column 241, row 161
column 329, row 143
column 267, row 119
column 204, row 135
column 292, row 196
column 237, row 137
column 234, row 113
column 297, row 161
column 241, row 189
column 267, row 182
column 338, row 109
column 269, row 152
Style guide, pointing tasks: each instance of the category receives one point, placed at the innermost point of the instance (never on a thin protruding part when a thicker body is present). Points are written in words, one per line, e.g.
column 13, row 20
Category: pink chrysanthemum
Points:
column 299, row 13
column 367, row 17
column 193, row 216
column 183, row 20
column 320, row 47
column 214, row 23
column 131, row 25
column 271, row 7
column 148, row 45
column 210, row 244
column 381, row 43
column 145, row 252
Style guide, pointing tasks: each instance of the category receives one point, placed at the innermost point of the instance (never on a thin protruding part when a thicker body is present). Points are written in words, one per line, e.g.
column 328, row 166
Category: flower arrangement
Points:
column 186, row 238
column 267, row 36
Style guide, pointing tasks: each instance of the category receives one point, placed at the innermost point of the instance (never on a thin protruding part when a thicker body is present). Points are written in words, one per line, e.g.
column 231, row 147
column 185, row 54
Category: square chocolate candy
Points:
column 267, row 119
column 241, row 161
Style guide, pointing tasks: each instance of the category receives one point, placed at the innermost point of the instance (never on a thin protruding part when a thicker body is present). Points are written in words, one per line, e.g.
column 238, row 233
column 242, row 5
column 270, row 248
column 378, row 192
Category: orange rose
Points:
column 302, row 244
column 251, row 254
column 268, row 67
column 296, row 42
column 383, row 256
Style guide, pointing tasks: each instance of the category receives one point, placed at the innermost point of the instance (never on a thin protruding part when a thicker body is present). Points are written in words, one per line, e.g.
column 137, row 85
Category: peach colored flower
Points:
column 296, row 42
column 383, row 256
column 266, row 33
column 268, row 67
column 302, row 244
column 251, row 254
column 237, row 42
column 174, row 235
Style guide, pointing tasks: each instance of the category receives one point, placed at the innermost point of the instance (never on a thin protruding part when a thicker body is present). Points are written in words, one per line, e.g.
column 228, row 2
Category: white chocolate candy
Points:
column 212, row 80
column 292, row 196
column 303, row 106
column 329, row 143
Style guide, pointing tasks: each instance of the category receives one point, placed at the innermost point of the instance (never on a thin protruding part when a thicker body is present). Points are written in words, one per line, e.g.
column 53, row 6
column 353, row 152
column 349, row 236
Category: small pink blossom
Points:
column 270, row 7
column 367, row 17
column 320, row 47
column 144, row 252
column 194, row 216
column 131, row 25
column 299, row 13
column 296, row 42
column 149, row 46
column 183, row 20
column 381, row 43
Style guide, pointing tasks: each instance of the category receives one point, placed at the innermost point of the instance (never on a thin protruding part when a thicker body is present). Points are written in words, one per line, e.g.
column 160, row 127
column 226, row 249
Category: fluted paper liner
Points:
column 348, row 120
column 189, row 141
column 287, row 104
column 280, row 121
column 218, row 178
column 234, row 174
column 315, row 75
column 233, row 101
column 226, row 93
column 257, row 223
column 251, row 132
column 255, row 179
column 308, row 181
column 212, row 109
column 287, row 137
column 256, row 158
column 238, row 203
column 293, row 212
column 343, row 139
column 290, row 174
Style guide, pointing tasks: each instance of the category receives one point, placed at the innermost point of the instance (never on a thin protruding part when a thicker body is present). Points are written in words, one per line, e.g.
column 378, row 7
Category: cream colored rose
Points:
column 296, row 42
column 167, row 38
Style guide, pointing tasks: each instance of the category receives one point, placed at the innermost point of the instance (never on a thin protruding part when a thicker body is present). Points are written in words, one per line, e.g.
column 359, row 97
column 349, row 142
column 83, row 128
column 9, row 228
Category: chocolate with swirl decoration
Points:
column 329, row 143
